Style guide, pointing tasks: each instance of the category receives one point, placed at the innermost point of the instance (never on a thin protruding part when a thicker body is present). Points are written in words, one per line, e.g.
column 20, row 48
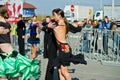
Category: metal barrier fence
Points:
column 97, row 45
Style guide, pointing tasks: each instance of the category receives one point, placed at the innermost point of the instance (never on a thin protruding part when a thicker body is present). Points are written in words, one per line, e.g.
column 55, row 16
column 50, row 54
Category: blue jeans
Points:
column 105, row 43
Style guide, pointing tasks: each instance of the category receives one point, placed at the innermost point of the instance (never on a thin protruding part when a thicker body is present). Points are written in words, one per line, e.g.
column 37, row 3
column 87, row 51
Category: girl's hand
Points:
column 23, row 37
column 50, row 25
column 37, row 36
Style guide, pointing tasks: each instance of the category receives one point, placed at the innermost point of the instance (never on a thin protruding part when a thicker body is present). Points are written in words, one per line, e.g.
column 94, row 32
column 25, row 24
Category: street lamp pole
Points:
column 113, row 9
column 100, row 4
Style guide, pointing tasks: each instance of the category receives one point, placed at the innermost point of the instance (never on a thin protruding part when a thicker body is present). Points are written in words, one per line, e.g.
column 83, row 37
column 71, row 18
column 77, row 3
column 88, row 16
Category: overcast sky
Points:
column 45, row 7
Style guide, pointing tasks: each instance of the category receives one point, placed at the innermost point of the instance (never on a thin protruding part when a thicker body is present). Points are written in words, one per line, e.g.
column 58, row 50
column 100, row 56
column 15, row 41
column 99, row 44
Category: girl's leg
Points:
column 3, row 78
column 16, row 78
column 65, row 73
column 60, row 75
column 34, row 49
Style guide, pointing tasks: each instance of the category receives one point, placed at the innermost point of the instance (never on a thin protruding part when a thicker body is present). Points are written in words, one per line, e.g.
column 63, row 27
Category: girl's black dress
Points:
column 33, row 32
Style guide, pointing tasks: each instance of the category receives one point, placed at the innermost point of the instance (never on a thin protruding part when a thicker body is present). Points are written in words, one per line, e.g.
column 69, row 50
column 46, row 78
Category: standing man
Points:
column 50, row 47
column 21, row 34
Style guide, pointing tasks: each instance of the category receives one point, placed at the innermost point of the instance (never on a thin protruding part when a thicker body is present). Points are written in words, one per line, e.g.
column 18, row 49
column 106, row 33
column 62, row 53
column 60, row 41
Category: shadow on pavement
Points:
column 75, row 79
column 71, row 70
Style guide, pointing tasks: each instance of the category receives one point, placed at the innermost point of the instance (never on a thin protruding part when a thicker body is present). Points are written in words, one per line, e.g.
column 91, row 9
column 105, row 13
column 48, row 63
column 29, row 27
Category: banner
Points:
column 15, row 7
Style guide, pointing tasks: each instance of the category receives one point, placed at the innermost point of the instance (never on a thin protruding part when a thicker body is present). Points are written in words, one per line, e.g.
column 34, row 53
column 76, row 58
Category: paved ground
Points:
column 91, row 71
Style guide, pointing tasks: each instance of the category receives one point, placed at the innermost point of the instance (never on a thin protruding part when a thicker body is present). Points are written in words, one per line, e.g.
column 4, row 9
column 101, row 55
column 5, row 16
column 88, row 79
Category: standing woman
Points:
column 95, row 33
column 64, row 53
column 12, row 63
column 64, row 50
column 34, row 36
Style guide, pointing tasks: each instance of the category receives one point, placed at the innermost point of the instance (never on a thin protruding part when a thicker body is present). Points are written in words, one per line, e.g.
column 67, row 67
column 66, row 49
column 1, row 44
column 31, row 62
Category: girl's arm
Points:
column 38, row 30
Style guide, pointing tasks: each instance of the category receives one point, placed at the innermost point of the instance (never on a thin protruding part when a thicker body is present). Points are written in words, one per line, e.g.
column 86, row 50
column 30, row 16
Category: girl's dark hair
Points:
column 61, row 12
column 4, row 12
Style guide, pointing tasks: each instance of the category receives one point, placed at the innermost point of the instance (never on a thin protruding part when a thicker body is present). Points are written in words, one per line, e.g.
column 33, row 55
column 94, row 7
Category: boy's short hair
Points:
column 20, row 15
column 106, row 17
